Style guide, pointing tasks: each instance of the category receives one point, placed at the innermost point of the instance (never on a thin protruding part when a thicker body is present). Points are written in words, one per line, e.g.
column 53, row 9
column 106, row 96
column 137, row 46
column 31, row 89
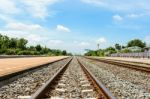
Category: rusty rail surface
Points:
column 99, row 87
column 39, row 94
column 119, row 63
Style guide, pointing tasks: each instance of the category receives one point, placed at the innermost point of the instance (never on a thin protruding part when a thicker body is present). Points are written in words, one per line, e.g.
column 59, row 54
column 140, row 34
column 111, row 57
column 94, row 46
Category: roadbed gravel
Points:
column 27, row 85
column 122, row 82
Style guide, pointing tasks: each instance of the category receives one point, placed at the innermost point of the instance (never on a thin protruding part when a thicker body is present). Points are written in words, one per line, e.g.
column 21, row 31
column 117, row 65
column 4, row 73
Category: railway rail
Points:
column 87, row 83
column 123, row 64
column 24, row 85
column 13, row 76
column 124, row 83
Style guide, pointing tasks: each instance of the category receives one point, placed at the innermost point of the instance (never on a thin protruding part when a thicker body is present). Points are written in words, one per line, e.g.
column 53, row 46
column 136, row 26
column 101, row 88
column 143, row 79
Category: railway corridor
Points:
column 122, row 82
column 64, row 79
column 73, row 84
column 25, row 86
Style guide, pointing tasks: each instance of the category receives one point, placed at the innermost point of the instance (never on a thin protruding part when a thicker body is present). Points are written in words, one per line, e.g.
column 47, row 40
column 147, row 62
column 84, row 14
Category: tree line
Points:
column 135, row 45
column 18, row 46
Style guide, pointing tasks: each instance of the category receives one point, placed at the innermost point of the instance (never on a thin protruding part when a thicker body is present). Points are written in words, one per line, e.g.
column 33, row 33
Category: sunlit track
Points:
column 26, row 83
column 73, row 81
column 122, row 82
column 19, row 71
column 96, row 83
column 123, row 64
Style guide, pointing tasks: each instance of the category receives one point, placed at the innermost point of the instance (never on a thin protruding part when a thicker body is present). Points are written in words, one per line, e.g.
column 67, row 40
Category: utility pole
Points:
column 98, row 46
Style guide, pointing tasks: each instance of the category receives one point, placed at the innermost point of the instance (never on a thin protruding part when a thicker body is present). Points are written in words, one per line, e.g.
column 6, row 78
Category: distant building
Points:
column 147, row 49
column 135, row 49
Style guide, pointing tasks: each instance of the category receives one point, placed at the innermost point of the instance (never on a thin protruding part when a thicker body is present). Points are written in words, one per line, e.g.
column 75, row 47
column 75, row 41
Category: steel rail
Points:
column 41, row 91
column 126, row 65
column 100, row 88
column 13, row 76
column 103, row 92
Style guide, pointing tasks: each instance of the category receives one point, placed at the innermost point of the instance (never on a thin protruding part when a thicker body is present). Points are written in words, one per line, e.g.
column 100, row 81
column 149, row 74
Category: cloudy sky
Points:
column 76, row 25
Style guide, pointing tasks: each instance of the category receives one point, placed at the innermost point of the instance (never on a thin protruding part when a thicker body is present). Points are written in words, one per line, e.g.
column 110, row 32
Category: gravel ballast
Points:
column 122, row 82
column 27, row 85
column 73, row 84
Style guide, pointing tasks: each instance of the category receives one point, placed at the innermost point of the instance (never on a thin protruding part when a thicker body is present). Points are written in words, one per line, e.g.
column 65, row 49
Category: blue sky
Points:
column 75, row 25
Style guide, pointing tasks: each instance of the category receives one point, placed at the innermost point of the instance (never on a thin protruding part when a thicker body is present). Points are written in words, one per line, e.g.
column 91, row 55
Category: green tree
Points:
column 32, row 48
column 5, row 42
column 100, row 52
column 126, row 50
column 91, row 53
column 110, row 49
column 38, row 48
column 45, row 50
column 118, row 47
column 64, row 52
column 13, row 43
column 123, row 47
column 21, row 43
column 14, row 46
column 136, row 42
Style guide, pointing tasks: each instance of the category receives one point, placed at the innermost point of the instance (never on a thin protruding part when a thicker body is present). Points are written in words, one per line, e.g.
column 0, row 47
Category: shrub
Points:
column 10, row 52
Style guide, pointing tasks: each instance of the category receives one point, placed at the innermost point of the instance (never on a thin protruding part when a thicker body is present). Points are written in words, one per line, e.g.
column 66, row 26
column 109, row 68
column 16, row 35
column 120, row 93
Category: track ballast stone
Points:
column 73, row 84
column 122, row 82
column 27, row 85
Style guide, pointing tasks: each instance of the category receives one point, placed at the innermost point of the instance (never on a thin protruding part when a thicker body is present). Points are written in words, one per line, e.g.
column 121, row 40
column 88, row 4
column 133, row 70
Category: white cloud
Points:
column 35, row 38
column 38, row 8
column 95, row 2
column 31, row 32
column 62, row 28
column 132, row 15
column 31, row 37
column 6, row 18
column 117, row 18
column 35, row 8
column 13, row 33
column 101, row 40
column 135, row 15
column 84, row 44
column 18, row 26
column 122, row 5
column 55, row 42
column 8, row 7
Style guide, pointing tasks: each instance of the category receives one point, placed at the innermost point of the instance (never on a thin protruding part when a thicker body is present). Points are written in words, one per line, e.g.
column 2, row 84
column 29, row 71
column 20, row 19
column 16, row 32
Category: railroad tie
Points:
column 86, row 85
column 56, row 97
column 24, row 97
column 83, row 82
column 85, row 91
column 60, row 90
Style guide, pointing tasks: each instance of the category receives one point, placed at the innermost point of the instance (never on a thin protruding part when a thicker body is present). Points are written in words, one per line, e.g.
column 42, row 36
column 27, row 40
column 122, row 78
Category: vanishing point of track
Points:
column 88, row 83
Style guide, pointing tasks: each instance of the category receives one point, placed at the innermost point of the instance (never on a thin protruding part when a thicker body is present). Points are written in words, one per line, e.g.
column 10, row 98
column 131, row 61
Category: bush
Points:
column 2, row 51
column 26, row 52
column 126, row 51
column 10, row 52
column 15, row 46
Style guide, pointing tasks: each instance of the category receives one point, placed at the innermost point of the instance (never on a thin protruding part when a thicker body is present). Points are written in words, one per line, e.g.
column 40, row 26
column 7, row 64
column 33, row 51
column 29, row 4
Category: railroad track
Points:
column 123, row 64
column 73, row 81
column 6, row 79
column 25, row 84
